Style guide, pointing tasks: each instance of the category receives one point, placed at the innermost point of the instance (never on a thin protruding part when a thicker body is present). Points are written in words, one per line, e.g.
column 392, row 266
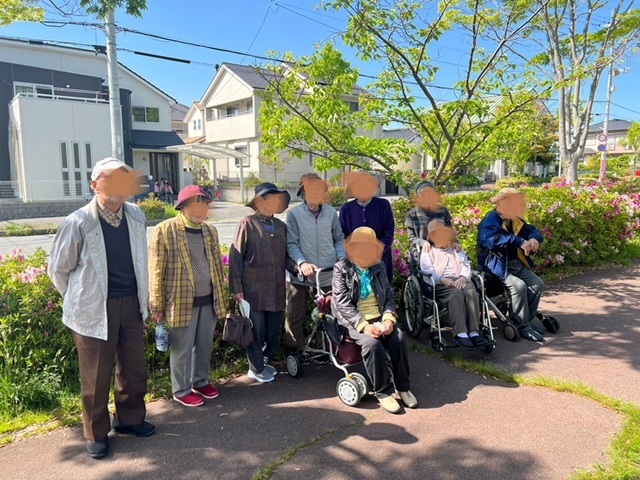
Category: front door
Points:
column 165, row 165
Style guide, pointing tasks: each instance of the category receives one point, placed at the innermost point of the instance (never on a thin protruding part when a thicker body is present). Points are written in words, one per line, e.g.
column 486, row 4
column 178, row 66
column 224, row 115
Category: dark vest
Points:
column 122, row 276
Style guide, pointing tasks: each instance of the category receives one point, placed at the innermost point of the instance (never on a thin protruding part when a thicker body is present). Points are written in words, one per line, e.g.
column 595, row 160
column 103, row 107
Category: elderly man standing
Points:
column 314, row 241
column 187, row 293
column 98, row 263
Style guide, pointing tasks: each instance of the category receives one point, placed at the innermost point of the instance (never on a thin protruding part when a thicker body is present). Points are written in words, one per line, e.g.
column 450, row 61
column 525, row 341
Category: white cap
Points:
column 106, row 166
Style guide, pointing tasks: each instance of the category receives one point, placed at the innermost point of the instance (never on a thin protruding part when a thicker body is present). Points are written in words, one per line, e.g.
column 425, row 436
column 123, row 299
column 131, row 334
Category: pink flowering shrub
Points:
column 37, row 354
column 582, row 223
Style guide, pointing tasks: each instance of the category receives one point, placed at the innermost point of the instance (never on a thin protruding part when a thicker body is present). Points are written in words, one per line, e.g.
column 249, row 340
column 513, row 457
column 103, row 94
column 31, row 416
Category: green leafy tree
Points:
column 527, row 137
column 101, row 8
column 20, row 11
column 578, row 49
column 632, row 140
column 405, row 37
column 309, row 110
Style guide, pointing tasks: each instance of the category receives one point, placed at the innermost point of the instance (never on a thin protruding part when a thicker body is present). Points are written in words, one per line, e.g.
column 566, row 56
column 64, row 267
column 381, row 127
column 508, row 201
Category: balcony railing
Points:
column 71, row 94
column 233, row 115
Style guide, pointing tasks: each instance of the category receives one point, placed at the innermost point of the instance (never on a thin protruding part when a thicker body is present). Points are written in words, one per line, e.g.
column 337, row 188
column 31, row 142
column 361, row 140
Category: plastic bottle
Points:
column 162, row 337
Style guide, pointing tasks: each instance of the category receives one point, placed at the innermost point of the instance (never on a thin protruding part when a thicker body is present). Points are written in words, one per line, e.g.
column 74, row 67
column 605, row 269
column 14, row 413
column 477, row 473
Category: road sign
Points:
column 602, row 147
column 602, row 138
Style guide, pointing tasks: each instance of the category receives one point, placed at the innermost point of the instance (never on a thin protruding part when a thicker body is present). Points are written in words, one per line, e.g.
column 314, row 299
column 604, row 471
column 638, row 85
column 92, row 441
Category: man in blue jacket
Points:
column 505, row 243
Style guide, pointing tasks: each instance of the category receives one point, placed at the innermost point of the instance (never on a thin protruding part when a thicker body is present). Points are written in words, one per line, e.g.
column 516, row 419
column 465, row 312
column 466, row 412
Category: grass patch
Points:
column 624, row 452
column 23, row 230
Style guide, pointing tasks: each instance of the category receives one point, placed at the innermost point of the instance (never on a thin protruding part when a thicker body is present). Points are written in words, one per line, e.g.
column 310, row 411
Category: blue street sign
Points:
column 602, row 147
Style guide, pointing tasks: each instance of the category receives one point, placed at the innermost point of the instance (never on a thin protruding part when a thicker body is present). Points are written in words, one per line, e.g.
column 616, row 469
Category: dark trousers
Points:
column 297, row 297
column 525, row 288
column 463, row 306
column 125, row 346
column 373, row 355
column 266, row 332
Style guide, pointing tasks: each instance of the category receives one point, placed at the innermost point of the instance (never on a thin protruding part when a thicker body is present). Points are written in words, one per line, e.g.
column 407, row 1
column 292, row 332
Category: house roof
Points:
column 615, row 125
column 153, row 139
column 402, row 134
column 98, row 50
column 255, row 77
column 178, row 111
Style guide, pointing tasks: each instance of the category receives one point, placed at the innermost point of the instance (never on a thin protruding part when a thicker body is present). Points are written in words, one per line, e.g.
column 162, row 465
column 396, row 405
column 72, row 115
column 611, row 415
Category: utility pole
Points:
column 114, row 88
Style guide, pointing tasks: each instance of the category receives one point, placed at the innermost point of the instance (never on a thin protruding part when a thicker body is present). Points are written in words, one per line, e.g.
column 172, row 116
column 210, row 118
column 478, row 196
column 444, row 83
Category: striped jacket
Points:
column 171, row 278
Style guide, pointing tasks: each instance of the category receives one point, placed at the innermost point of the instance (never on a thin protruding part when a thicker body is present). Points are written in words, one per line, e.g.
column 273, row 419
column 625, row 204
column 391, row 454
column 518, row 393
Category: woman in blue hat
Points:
column 257, row 263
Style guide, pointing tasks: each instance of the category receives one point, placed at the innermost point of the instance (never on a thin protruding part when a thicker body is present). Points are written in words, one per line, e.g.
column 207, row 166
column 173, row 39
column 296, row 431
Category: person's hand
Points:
column 426, row 248
column 388, row 327
column 457, row 247
column 535, row 245
column 307, row 269
column 447, row 282
column 157, row 317
column 460, row 283
column 526, row 247
column 238, row 297
column 372, row 331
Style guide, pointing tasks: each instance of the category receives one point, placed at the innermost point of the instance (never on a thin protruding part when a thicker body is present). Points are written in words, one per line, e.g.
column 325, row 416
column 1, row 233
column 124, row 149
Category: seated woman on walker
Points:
column 451, row 274
column 363, row 303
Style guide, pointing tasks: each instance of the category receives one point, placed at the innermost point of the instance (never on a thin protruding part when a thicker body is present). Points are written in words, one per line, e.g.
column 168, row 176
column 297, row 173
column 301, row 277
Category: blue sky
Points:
column 256, row 27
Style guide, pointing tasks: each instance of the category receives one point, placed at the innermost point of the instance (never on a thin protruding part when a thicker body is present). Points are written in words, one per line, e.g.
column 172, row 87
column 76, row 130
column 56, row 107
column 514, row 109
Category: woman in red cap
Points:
column 186, row 292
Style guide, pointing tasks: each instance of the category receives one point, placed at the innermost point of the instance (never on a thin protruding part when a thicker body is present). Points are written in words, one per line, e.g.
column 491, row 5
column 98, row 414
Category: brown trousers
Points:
column 125, row 346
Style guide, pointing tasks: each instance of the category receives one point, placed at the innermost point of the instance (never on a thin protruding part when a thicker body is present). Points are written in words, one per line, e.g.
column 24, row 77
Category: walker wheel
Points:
column 437, row 345
column 293, row 366
column 510, row 332
column 363, row 385
column 413, row 307
column 490, row 348
column 348, row 391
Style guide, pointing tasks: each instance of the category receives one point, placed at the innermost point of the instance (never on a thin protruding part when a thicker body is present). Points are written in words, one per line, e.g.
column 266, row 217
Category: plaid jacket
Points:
column 171, row 288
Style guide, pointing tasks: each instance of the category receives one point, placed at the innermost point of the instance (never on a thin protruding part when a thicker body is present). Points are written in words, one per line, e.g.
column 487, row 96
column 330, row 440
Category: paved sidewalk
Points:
column 467, row 426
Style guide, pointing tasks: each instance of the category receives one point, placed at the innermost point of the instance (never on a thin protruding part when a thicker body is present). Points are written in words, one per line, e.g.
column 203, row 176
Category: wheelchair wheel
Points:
column 550, row 323
column 363, row 384
column 510, row 332
column 437, row 345
column 413, row 307
column 294, row 368
column 348, row 391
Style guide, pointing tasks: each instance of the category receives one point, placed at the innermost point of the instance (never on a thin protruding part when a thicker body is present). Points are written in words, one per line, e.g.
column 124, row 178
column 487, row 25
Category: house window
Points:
column 77, row 169
column 246, row 161
column 33, row 90
column 146, row 114
column 232, row 111
column 209, row 113
column 194, row 125
column 353, row 107
column 250, row 106
column 89, row 163
column 65, row 169
column 199, row 124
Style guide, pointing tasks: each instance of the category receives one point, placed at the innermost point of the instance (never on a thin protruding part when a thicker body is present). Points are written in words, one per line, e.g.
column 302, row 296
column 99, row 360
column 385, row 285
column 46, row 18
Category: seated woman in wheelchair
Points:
column 363, row 303
column 451, row 274
column 505, row 243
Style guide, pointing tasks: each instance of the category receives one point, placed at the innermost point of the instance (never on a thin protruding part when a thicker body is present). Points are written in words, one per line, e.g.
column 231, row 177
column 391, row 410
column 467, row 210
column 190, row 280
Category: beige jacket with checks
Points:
column 171, row 278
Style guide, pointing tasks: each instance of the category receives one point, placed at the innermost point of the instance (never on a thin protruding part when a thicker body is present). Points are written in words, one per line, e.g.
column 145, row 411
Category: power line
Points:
column 264, row 19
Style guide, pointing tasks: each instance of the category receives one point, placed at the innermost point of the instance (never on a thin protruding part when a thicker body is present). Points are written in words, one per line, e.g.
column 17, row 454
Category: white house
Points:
column 57, row 124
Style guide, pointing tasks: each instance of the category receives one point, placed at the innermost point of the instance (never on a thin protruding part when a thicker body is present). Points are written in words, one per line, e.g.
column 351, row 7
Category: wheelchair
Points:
column 422, row 308
column 498, row 301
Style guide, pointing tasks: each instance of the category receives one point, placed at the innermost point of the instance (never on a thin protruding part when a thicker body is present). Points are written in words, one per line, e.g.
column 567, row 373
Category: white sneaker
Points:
column 270, row 369
column 263, row 377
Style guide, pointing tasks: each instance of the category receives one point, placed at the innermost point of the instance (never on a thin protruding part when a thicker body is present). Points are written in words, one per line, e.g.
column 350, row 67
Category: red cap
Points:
column 191, row 191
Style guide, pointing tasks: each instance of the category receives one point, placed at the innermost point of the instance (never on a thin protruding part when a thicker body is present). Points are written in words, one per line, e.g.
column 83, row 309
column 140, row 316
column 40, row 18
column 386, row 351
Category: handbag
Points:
column 238, row 329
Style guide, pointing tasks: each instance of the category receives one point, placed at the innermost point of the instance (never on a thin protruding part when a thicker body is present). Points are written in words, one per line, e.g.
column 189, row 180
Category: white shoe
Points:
column 262, row 377
column 408, row 399
column 270, row 369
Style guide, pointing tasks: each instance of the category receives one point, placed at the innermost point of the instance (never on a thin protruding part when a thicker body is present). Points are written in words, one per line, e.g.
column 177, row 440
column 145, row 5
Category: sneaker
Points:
column 263, row 377
column 99, row 448
column 190, row 400
column 271, row 369
column 390, row 404
column 529, row 333
column 207, row 391
column 408, row 399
